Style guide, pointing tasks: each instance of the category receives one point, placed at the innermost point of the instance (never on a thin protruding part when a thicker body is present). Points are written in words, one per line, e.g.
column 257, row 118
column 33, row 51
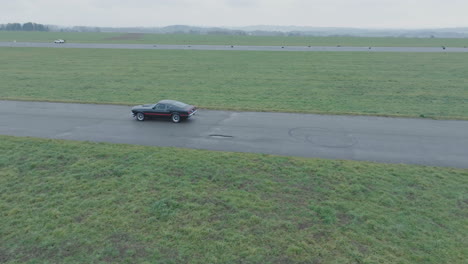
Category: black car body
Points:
column 172, row 109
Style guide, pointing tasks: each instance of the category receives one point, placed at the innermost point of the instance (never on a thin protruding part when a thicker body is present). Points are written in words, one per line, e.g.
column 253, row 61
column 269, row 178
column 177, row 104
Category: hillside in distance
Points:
column 362, row 32
column 266, row 30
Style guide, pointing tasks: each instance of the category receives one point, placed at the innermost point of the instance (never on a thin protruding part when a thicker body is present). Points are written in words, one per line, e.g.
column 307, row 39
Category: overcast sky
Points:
column 316, row 13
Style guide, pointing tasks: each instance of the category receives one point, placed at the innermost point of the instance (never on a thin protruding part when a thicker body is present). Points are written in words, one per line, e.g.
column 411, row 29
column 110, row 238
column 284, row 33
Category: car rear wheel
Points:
column 175, row 118
column 140, row 116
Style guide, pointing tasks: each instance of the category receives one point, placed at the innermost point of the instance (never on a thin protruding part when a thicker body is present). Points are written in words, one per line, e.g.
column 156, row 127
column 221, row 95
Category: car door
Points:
column 161, row 110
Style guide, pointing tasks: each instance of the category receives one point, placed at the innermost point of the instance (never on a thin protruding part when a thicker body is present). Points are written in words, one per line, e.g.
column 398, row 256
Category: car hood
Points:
column 145, row 106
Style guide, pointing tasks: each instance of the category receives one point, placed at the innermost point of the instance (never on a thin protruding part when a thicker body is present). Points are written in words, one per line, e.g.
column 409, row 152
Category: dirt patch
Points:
column 320, row 235
column 50, row 253
column 123, row 247
column 462, row 204
column 128, row 36
column 363, row 249
column 4, row 256
column 304, row 225
column 344, row 219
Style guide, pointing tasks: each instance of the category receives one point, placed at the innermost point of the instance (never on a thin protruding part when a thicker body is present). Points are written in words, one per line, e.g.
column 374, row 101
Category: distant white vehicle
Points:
column 59, row 41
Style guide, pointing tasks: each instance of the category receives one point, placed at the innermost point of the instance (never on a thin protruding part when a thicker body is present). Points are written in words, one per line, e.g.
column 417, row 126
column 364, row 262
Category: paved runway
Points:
column 228, row 47
column 388, row 140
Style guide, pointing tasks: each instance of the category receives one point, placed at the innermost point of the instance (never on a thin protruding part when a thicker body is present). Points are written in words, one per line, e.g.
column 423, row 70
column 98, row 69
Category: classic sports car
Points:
column 174, row 110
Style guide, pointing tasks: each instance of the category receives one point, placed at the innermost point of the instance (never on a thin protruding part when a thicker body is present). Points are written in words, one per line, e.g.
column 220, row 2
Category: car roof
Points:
column 169, row 102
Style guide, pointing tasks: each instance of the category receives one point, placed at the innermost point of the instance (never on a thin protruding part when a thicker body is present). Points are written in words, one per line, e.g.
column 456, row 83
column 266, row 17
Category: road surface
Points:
column 379, row 139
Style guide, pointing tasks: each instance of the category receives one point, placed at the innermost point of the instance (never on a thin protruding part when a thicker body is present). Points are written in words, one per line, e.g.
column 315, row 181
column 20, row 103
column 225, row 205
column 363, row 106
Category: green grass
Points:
column 72, row 202
column 389, row 84
column 229, row 40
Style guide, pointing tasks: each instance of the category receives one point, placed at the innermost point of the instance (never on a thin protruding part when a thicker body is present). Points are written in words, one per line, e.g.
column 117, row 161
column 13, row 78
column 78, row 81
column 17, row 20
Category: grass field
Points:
column 228, row 40
column 396, row 84
column 71, row 202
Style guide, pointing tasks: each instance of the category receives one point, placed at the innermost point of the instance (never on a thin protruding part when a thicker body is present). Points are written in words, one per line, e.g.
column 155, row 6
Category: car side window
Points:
column 160, row 107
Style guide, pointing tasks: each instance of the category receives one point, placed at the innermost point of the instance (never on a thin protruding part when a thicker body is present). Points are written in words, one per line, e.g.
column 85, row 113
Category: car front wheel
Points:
column 175, row 118
column 140, row 116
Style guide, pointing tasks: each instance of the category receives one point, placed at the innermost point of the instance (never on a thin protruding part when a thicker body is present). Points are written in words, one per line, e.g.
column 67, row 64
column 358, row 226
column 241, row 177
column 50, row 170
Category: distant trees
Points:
column 30, row 26
column 226, row 32
column 13, row 27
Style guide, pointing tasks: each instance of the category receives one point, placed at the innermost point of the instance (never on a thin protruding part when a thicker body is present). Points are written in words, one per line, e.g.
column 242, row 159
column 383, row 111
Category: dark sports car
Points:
column 174, row 110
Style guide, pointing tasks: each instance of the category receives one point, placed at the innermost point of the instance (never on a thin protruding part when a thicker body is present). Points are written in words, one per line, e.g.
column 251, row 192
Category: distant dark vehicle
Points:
column 175, row 110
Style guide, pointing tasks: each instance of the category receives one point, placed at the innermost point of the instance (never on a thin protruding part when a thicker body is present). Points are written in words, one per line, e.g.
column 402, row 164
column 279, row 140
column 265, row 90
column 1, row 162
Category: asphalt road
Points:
column 388, row 140
column 228, row 47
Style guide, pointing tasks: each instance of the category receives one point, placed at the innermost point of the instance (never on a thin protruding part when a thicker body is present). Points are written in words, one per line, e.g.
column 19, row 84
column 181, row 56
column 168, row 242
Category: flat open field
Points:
column 397, row 84
column 228, row 40
column 72, row 202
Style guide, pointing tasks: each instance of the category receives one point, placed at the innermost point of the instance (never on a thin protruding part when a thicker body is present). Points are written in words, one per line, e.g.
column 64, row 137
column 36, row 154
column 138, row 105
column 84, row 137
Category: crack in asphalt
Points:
column 220, row 136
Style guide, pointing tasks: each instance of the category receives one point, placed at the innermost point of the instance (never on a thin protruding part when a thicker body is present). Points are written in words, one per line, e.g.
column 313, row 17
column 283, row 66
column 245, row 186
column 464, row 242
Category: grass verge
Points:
column 185, row 39
column 396, row 84
column 72, row 202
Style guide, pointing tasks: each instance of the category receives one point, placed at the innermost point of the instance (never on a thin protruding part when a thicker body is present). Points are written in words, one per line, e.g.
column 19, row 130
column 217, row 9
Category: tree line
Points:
column 30, row 26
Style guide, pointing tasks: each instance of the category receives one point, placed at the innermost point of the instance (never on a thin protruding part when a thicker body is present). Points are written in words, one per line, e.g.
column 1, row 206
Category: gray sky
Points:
column 316, row 13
